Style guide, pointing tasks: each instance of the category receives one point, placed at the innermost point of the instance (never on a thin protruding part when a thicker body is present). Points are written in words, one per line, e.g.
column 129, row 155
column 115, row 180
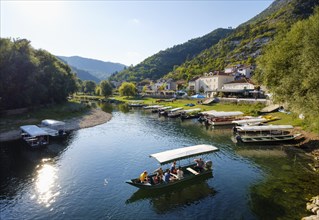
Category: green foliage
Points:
column 89, row 86
column 32, row 77
column 290, row 68
column 106, row 88
column 164, row 61
column 128, row 89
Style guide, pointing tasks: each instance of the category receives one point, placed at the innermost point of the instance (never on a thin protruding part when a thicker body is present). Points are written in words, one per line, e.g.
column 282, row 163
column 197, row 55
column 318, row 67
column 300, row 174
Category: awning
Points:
column 33, row 130
column 192, row 110
column 225, row 114
column 51, row 122
column 264, row 128
column 182, row 153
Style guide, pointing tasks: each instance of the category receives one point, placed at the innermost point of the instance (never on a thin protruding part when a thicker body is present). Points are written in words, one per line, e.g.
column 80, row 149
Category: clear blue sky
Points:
column 119, row 31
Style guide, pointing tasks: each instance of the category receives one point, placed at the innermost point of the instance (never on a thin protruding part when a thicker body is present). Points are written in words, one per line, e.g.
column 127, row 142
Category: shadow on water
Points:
column 287, row 185
column 19, row 162
column 165, row 200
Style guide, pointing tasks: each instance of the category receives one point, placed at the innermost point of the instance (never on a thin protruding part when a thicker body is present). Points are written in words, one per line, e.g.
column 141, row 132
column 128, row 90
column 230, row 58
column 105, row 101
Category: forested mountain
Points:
column 165, row 61
column 99, row 69
column 245, row 43
column 30, row 77
column 82, row 74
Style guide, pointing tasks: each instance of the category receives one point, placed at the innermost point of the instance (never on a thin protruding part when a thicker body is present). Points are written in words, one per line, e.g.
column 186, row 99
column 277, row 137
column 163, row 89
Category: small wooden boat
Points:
column 136, row 104
column 34, row 136
column 53, row 127
column 159, row 110
column 222, row 118
column 190, row 113
column 175, row 112
column 269, row 133
column 174, row 155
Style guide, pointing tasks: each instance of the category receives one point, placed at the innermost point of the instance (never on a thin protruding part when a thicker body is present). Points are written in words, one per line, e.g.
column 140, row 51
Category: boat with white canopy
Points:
column 250, row 121
column 169, row 111
column 190, row 113
column 159, row 110
column 152, row 106
column 269, row 133
column 34, row 136
column 175, row 112
column 53, row 127
column 222, row 118
column 178, row 154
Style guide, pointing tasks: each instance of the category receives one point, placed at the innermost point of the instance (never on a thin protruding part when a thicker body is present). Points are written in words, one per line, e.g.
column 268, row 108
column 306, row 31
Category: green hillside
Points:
column 245, row 44
column 164, row 61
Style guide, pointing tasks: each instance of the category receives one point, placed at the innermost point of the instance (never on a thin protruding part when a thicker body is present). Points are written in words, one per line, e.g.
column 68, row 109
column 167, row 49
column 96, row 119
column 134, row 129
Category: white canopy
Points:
column 176, row 109
column 51, row 122
column 182, row 153
column 224, row 114
column 152, row 106
column 208, row 112
column 33, row 130
column 251, row 120
column 265, row 128
column 192, row 110
column 167, row 107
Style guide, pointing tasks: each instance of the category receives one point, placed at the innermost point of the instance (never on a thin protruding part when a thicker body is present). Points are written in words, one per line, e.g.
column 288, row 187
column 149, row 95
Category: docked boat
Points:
column 178, row 154
column 222, row 118
column 190, row 113
column 136, row 104
column 269, row 133
column 34, row 136
column 252, row 121
column 152, row 107
column 175, row 112
column 161, row 109
column 53, row 127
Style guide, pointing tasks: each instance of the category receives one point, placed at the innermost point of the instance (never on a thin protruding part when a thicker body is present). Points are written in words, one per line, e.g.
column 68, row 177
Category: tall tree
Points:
column 127, row 89
column 290, row 68
column 106, row 88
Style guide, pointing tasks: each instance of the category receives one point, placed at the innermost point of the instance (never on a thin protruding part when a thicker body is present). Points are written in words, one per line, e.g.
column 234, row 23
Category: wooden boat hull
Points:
column 188, row 177
column 254, row 139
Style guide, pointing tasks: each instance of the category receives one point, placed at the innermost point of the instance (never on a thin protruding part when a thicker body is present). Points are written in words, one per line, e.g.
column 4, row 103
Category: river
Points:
column 83, row 176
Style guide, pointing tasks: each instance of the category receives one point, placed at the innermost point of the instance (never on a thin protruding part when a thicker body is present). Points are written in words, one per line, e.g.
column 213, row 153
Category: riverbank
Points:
column 91, row 118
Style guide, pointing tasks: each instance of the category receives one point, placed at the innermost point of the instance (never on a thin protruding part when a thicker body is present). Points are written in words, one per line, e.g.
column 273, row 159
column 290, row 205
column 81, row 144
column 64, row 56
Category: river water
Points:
column 83, row 176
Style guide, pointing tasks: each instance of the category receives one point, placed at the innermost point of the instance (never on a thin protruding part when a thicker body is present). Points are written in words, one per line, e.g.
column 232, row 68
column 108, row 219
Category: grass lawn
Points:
column 35, row 116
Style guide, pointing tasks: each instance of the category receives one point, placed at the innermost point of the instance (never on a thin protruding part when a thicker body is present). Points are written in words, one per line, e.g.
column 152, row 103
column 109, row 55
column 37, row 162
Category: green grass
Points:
column 58, row 112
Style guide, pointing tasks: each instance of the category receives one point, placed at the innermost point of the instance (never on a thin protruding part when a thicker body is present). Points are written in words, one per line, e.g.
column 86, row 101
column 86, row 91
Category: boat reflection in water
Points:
column 164, row 200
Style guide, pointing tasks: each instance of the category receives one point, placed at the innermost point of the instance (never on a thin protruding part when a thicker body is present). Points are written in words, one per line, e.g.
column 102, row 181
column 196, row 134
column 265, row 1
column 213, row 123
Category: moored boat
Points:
column 159, row 110
column 222, row 118
column 53, row 127
column 175, row 112
column 190, row 113
column 34, row 136
column 269, row 133
column 166, row 157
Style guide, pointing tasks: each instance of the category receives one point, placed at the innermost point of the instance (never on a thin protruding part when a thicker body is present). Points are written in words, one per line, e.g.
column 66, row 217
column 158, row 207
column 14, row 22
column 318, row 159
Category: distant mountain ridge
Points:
column 245, row 43
column 158, row 65
column 99, row 70
column 241, row 45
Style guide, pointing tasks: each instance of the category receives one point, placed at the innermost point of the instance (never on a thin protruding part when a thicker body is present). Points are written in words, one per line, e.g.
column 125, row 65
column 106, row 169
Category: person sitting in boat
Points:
column 167, row 176
column 180, row 173
column 159, row 175
column 199, row 165
column 143, row 177
column 173, row 168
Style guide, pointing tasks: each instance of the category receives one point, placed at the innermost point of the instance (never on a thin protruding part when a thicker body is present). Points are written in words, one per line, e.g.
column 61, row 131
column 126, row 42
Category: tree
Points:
column 106, row 88
column 290, row 68
column 89, row 86
column 127, row 89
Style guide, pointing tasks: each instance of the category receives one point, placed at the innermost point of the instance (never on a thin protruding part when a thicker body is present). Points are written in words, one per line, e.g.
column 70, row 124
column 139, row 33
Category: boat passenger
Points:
column 173, row 168
column 167, row 176
column 199, row 165
column 159, row 174
column 143, row 177
column 180, row 173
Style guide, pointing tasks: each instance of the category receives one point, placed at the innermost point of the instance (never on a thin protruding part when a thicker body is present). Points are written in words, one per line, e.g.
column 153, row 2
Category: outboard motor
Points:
column 209, row 164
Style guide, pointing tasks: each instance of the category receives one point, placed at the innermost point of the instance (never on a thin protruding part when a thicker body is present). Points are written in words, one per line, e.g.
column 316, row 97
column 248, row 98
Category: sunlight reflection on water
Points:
column 45, row 183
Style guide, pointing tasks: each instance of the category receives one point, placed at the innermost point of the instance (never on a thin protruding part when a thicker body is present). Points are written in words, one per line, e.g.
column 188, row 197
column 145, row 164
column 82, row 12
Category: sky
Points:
column 124, row 32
